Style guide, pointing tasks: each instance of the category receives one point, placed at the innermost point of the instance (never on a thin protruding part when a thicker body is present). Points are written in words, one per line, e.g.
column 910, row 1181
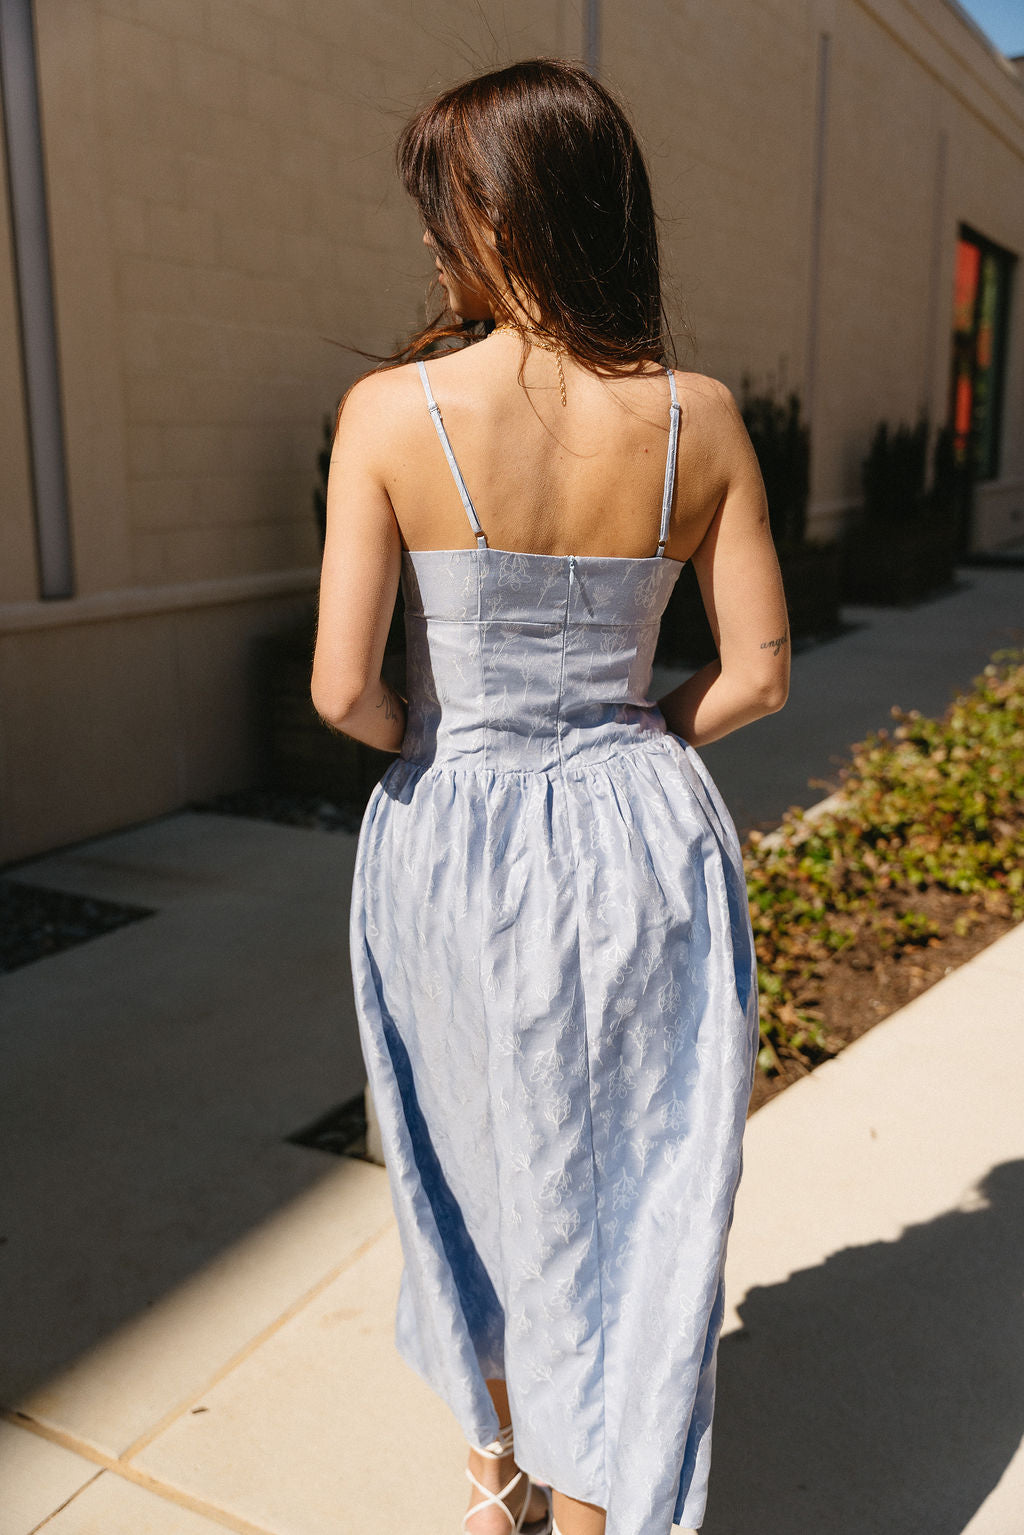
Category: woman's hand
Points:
column 359, row 578
column 741, row 587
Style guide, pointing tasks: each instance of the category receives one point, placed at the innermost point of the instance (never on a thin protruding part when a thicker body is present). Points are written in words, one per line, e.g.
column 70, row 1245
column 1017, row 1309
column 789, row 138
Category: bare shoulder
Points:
column 383, row 390
column 709, row 402
column 713, row 422
column 377, row 413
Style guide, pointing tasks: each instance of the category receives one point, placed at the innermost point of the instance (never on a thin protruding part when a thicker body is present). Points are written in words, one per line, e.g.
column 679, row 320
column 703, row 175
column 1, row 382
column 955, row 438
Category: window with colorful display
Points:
column 980, row 309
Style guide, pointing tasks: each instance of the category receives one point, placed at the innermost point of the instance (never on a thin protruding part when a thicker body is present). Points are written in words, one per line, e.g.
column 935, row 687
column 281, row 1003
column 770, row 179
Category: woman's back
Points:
column 529, row 661
column 585, row 478
column 553, row 959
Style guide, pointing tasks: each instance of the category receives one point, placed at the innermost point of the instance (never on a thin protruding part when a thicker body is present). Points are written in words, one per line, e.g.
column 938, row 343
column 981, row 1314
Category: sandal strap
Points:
column 499, row 1447
column 497, row 1499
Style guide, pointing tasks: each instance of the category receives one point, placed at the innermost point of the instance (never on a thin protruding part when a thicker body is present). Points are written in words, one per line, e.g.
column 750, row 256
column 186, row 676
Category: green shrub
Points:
column 951, row 496
column 782, row 443
column 936, row 804
column 893, row 474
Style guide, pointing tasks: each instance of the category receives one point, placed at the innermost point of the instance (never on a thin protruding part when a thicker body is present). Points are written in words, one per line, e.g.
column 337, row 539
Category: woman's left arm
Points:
column 359, row 579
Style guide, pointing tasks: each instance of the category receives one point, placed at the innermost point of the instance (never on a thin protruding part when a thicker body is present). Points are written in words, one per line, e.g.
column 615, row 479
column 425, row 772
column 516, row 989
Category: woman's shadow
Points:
column 881, row 1393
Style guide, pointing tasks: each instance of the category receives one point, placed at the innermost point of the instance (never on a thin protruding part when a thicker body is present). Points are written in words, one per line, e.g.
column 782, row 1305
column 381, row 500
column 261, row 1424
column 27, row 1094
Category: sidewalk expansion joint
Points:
column 121, row 1465
column 128, row 1473
column 256, row 1342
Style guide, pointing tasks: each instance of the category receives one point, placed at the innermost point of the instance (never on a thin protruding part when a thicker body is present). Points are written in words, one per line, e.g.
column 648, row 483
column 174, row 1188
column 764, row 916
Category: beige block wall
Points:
column 111, row 720
column 223, row 203
column 727, row 106
column 723, row 97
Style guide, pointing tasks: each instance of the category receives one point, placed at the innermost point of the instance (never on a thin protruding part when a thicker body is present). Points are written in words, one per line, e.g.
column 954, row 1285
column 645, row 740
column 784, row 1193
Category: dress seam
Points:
column 561, row 670
column 536, row 623
column 586, row 1033
column 467, row 765
column 593, row 1159
column 480, row 653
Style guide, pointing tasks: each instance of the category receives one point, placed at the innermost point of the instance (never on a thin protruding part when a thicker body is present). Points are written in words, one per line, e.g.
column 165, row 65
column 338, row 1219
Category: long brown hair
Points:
column 546, row 156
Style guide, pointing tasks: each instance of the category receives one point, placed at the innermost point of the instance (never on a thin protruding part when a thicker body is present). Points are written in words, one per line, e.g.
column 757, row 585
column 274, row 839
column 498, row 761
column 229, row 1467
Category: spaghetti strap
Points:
column 670, row 465
column 435, row 411
column 481, row 537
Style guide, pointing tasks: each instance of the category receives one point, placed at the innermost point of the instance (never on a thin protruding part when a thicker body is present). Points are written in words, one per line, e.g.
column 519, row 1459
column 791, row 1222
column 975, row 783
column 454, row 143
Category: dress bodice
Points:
column 525, row 662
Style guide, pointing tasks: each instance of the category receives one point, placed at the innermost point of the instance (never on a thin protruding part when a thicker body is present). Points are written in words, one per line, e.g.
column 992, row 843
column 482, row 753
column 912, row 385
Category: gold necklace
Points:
column 547, row 346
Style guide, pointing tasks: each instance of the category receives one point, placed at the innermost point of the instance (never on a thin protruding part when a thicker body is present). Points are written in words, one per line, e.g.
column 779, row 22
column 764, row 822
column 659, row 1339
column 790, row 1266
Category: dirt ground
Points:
column 865, row 983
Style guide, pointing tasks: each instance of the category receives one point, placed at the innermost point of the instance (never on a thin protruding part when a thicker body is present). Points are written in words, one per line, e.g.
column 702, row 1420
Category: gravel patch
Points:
column 287, row 808
column 35, row 921
column 341, row 1131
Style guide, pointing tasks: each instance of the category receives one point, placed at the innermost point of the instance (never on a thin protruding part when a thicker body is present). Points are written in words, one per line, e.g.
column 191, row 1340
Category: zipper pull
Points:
column 572, row 568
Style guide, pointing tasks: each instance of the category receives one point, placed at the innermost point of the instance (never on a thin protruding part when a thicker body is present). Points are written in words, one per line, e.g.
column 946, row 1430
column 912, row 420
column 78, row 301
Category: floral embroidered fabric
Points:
column 556, row 990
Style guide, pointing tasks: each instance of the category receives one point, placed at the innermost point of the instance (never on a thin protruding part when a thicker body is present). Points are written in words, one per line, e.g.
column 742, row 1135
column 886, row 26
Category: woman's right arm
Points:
column 741, row 587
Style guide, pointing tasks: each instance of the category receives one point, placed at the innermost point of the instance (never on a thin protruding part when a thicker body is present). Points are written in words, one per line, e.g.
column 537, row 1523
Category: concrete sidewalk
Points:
column 871, row 1370
column 197, row 1316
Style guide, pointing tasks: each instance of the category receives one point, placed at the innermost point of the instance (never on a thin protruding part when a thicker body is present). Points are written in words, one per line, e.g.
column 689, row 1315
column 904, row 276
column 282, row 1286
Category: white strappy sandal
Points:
column 496, row 1450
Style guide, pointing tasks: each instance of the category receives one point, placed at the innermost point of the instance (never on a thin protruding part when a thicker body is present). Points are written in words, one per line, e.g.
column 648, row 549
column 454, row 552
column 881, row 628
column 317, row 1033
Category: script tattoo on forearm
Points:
column 774, row 645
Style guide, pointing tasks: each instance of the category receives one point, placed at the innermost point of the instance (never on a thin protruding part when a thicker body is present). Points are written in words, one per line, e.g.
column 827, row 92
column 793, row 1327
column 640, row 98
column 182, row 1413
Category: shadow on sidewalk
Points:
column 882, row 1390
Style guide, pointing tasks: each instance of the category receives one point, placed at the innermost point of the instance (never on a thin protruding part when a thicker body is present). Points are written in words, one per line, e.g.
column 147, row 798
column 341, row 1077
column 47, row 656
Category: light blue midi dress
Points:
column 556, row 990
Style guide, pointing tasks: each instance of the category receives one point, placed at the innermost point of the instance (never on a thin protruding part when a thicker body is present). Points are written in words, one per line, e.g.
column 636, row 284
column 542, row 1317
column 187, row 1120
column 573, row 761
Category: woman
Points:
column 550, row 938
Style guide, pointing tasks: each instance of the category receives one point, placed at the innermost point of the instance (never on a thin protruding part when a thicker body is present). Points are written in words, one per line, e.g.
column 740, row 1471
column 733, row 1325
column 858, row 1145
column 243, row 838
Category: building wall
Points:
column 924, row 127
column 223, row 203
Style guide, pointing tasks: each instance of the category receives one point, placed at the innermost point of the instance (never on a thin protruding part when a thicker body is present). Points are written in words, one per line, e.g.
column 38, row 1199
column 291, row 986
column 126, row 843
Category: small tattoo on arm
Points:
column 774, row 645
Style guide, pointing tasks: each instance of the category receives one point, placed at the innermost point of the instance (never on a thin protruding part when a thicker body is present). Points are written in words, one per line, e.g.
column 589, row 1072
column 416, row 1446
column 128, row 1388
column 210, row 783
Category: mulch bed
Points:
column 865, row 984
